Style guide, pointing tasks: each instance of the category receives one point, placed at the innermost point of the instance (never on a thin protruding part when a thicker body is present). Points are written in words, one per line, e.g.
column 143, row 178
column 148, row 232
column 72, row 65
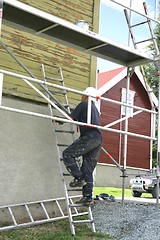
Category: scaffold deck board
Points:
column 56, row 29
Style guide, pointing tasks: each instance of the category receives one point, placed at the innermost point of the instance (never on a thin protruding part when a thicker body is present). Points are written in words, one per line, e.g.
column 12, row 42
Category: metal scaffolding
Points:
column 135, row 58
column 67, row 118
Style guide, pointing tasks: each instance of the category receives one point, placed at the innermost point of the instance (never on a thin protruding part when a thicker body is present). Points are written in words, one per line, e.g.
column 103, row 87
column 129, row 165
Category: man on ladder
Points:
column 88, row 145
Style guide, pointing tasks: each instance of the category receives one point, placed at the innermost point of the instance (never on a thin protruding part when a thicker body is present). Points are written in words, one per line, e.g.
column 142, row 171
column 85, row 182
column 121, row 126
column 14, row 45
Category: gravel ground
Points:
column 134, row 220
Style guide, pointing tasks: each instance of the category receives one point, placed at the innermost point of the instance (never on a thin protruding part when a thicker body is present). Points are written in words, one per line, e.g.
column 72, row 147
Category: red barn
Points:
column 112, row 85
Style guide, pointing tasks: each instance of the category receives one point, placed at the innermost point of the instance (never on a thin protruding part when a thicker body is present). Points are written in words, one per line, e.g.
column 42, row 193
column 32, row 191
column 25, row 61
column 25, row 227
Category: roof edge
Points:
column 112, row 82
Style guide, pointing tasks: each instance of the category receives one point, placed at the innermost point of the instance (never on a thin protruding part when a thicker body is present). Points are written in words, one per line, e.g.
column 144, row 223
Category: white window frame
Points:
column 129, row 100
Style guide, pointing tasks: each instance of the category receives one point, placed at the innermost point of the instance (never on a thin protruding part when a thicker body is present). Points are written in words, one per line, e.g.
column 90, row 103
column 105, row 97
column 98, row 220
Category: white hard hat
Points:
column 91, row 91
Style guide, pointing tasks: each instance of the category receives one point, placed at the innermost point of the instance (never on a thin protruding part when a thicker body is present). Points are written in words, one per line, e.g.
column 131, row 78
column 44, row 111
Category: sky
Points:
column 113, row 25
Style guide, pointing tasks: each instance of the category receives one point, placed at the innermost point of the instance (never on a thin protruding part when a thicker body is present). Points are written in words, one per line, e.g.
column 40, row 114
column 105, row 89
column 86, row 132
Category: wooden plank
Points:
column 18, row 87
column 70, row 77
column 46, row 51
column 62, row 56
column 68, row 10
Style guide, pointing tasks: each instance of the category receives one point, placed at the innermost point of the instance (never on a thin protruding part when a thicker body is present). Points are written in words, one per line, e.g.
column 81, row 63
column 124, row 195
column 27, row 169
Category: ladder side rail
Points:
column 62, row 82
column 65, row 189
column 65, row 96
column 51, row 112
column 130, row 28
column 58, row 151
column 91, row 217
column 36, row 202
column 36, row 222
column 151, row 29
column 66, row 100
column 135, row 44
column 72, row 228
column 75, row 209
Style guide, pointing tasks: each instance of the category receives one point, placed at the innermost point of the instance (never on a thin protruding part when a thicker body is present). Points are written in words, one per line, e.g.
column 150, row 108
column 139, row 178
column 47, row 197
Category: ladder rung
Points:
column 65, row 105
column 62, row 145
column 146, row 40
column 45, row 211
column 80, row 213
column 12, row 216
column 80, row 205
column 137, row 24
column 64, row 131
column 77, row 205
column 58, row 92
column 82, row 221
column 74, row 189
column 66, row 174
column 60, row 209
column 55, row 79
column 29, row 213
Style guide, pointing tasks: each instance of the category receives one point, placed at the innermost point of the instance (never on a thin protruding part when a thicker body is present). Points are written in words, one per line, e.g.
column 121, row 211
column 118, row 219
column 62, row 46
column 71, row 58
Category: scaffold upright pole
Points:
column 158, row 137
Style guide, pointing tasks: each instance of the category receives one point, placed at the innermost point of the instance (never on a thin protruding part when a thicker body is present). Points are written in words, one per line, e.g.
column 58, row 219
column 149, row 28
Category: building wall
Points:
column 108, row 175
column 79, row 69
column 29, row 161
column 138, row 149
column 30, row 169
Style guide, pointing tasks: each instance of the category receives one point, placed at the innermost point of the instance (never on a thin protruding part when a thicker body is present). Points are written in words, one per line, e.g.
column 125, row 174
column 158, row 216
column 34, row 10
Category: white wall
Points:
column 110, row 176
column 29, row 162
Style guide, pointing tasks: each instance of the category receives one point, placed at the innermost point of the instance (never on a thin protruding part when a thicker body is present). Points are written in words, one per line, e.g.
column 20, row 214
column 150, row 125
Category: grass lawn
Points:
column 116, row 192
column 60, row 230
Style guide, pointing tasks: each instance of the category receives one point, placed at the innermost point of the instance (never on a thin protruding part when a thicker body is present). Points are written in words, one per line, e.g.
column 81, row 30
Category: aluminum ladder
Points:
column 29, row 212
column 61, row 137
column 148, row 22
column 135, row 44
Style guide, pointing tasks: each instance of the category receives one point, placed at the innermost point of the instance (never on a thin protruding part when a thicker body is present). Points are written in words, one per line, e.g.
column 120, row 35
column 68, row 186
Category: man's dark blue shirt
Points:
column 80, row 114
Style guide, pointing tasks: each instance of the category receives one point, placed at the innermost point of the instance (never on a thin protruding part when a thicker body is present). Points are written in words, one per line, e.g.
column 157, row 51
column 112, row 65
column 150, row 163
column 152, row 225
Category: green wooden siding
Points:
column 71, row 10
column 79, row 69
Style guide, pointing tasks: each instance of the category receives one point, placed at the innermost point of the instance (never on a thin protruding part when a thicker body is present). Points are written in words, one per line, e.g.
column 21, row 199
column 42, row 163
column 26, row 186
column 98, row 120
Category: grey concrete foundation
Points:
column 107, row 175
column 29, row 160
